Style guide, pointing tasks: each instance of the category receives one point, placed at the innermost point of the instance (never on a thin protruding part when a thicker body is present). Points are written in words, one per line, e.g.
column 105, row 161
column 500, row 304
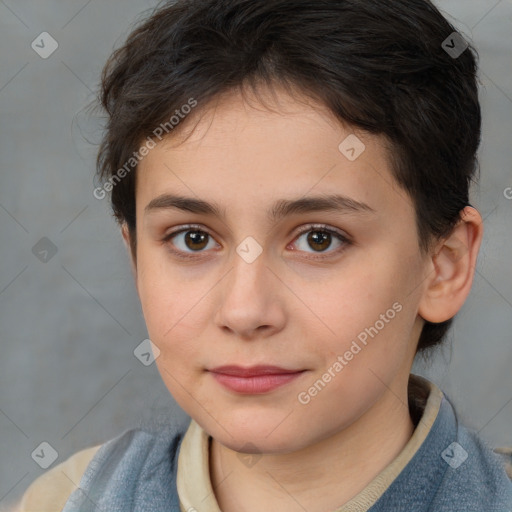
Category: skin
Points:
column 287, row 308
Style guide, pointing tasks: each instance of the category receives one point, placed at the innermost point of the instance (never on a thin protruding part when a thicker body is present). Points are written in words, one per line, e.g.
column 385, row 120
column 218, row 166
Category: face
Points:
column 330, row 292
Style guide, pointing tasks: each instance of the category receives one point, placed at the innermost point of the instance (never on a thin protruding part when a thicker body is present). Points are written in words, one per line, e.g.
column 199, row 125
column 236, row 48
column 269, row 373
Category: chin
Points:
column 257, row 436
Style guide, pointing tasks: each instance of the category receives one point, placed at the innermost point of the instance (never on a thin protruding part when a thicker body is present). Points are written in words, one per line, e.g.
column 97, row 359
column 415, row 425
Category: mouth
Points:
column 254, row 379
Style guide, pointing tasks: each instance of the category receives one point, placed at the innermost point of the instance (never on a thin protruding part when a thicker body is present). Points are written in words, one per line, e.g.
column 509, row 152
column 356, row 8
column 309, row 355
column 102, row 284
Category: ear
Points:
column 127, row 243
column 453, row 262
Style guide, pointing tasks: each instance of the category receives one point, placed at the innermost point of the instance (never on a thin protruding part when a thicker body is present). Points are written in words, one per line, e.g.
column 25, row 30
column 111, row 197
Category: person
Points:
column 291, row 180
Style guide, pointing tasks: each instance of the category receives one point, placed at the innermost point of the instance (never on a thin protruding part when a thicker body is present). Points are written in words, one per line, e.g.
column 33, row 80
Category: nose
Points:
column 251, row 300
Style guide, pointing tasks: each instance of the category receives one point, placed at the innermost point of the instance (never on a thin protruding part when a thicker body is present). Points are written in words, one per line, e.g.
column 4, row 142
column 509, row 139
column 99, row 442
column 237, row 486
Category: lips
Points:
column 252, row 371
column 254, row 379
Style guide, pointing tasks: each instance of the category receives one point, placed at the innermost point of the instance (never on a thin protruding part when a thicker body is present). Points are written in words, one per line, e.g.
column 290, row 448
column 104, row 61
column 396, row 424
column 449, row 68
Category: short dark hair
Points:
column 378, row 65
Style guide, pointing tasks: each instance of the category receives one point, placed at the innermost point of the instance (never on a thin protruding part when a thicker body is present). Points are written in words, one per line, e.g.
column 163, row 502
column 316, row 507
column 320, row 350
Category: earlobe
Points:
column 454, row 263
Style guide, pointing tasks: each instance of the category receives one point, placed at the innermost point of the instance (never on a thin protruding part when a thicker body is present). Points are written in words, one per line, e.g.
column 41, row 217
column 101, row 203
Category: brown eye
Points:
column 319, row 239
column 189, row 240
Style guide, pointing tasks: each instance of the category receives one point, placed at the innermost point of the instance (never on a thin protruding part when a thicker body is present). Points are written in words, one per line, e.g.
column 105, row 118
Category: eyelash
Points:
column 312, row 227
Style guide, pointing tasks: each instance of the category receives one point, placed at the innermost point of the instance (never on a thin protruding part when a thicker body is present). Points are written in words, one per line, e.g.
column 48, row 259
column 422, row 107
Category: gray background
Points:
column 68, row 327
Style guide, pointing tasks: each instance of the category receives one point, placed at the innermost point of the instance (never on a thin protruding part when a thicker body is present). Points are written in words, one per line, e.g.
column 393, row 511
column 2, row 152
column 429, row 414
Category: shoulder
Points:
column 506, row 455
column 464, row 470
column 475, row 473
column 488, row 460
column 117, row 460
column 50, row 491
column 131, row 470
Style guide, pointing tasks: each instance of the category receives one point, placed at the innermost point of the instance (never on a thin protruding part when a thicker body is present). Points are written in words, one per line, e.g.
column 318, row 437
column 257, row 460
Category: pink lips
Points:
column 255, row 379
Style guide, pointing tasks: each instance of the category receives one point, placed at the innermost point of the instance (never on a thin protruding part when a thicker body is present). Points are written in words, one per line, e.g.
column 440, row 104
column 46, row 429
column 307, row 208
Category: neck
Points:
column 319, row 477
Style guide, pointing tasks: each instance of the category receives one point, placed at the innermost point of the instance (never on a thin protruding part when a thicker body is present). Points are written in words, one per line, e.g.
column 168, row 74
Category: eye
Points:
column 189, row 237
column 320, row 238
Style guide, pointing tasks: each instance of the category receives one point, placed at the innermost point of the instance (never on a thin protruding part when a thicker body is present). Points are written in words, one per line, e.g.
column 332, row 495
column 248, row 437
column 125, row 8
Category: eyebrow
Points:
column 279, row 210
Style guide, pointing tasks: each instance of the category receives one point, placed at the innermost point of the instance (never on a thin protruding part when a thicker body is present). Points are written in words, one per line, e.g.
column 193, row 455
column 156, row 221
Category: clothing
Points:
column 51, row 490
column 167, row 470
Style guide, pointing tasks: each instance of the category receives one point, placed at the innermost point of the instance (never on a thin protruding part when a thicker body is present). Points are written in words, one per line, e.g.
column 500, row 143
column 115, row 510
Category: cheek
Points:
column 366, row 314
column 170, row 304
column 354, row 300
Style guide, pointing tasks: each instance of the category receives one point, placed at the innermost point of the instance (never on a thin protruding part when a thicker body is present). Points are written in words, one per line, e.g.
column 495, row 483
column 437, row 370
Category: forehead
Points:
column 241, row 153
